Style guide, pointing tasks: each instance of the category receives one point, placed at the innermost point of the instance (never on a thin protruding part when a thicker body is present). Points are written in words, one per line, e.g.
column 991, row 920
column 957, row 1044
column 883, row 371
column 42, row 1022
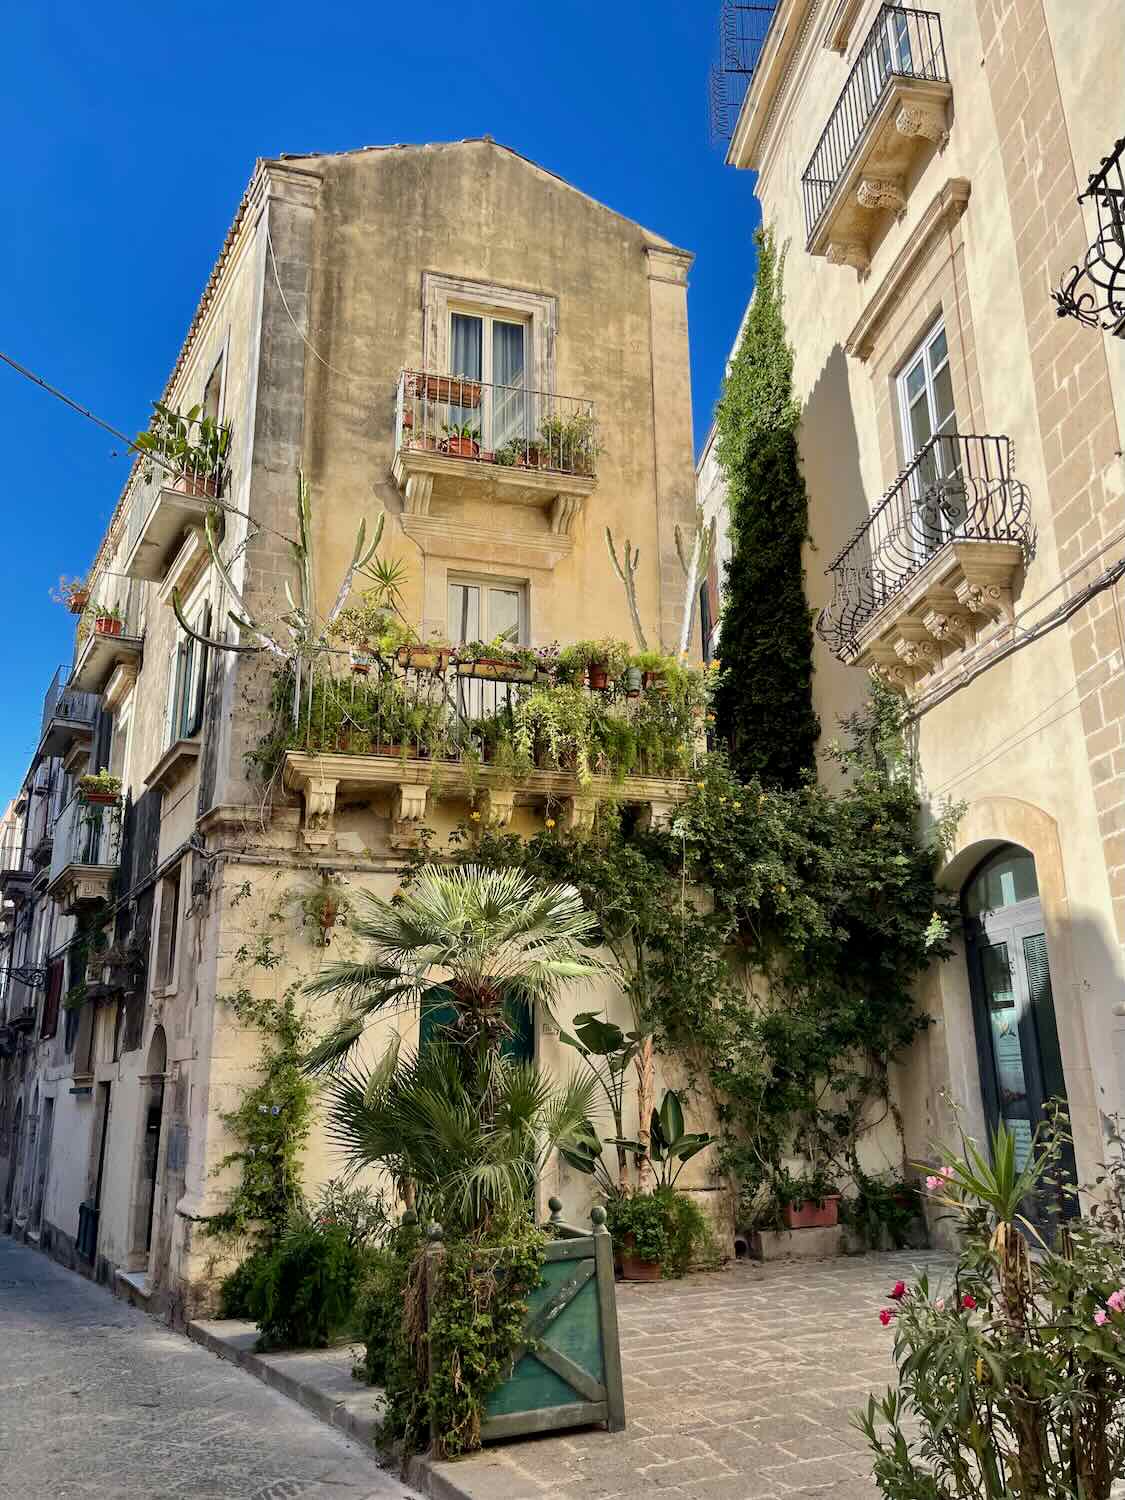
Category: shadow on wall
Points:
column 838, row 504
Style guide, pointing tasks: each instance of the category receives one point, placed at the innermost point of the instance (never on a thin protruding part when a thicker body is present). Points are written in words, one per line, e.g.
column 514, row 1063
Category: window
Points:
column 480, row 611
column 494, row 351
column 213, row 391
column 187, row 677
column 50, row 1022
column 166, row 933
column 926, row 394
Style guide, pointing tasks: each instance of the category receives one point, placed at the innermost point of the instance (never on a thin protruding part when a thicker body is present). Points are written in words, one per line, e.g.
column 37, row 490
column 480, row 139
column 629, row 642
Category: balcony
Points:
column 935, row 566
column 108, row 644
column 407, row 730
column 1094, row 291
column 68, row 715
column 173, row 490
column 893, row 105
column 458, row 439
column 85, row 854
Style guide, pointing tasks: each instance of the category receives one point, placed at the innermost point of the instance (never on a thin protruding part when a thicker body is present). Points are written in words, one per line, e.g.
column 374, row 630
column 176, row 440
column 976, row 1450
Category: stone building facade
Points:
column 961, row 442
column 367, row 313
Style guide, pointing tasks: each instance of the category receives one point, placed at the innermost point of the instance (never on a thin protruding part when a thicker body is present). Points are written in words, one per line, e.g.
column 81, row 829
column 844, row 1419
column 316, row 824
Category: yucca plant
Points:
column 494, row 938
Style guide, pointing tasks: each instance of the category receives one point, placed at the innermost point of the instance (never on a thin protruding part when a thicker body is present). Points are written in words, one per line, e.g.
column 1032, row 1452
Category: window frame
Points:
column 484, row 582
column 188, row 662
column 919, row 354
column 166, row 953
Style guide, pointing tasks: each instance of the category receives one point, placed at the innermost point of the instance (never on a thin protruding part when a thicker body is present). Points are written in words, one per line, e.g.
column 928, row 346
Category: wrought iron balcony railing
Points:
column 959, row 488
column 63, row 702
column 902, row 43
column 503, row 426
column 86, row 834
column 1094, row 292
column 743, row 28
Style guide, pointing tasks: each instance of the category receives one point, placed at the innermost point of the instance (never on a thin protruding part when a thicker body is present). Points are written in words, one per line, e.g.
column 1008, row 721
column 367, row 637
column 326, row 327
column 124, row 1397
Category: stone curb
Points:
column 349, row 1413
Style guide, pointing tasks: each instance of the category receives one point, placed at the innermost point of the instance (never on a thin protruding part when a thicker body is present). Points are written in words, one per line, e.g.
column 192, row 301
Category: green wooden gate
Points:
column 567, row 1371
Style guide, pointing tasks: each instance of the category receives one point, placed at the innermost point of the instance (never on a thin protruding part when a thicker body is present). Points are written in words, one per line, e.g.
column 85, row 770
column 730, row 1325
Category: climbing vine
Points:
column 764, row 700
column 274, row 1116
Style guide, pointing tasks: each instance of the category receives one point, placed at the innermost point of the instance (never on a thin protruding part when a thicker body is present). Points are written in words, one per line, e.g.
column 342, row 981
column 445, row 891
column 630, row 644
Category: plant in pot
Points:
column 602, row 661
column 74, row 593
column 810, row 1201
column 194, row 448
column 461, row 440
column 99, row 787
column 639, row 1225
column 108, row 619
column 653, row 667
column 570, row 442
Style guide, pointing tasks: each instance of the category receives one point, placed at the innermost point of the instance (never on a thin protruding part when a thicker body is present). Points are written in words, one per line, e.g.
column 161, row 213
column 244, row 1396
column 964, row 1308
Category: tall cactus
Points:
column 628, row 577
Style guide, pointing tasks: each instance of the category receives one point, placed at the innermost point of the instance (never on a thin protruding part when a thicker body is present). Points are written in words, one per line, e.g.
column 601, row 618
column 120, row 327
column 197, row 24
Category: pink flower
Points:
column 1117, row 1299
column 940, row 1179
column 1101, row 1316
column 898, row 1291
column 940, row 1304
column 968, row 1301
column 885, row 1315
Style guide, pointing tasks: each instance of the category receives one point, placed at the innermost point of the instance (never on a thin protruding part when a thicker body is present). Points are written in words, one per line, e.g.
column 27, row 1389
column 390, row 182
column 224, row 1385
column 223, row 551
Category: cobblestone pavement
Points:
column 97, row 1399
column 739, row 1386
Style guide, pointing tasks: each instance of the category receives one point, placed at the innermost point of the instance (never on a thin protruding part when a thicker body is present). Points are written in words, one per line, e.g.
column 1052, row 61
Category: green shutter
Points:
column 439, row 1010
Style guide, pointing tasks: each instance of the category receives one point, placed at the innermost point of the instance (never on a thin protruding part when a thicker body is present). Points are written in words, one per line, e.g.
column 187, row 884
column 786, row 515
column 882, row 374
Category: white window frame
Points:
column 484, row 582
column 920, row 354
column 444, row 295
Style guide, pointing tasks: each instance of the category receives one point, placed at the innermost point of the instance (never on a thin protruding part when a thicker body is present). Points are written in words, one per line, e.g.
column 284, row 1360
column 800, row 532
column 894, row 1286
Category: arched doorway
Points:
column 1021, row 1070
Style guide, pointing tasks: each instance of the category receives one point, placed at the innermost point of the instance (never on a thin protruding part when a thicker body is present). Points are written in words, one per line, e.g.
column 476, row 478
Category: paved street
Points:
column 97, row 1399
column 739, row 1386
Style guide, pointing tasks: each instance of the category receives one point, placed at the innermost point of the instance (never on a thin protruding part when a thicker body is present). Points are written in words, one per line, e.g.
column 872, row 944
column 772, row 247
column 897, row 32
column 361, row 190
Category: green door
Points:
column 438, row 1011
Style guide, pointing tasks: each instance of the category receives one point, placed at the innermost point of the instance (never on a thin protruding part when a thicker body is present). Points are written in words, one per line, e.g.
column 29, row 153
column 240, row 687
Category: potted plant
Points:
column 448, row 390
column 108, row 619
column 194, row 447
column 429, row 658
column 602, row 661
column 74, row 593
column 99, row 787
column 570, row 441
column 807, row 1202
column 361, row 660
column 639, row 1225
column 461, row 440
column 653, row 666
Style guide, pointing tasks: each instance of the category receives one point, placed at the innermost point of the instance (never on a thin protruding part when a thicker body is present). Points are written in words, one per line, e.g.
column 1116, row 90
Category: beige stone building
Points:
column 449, row 336
column 961, row 442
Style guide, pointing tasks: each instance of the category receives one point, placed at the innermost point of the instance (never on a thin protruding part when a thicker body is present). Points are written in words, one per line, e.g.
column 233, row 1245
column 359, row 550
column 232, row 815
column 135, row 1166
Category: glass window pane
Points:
column 1043, row 1010
column 504, row 614
column 915, row 382
column 943, row 397
column 939, row 350
column 1007, row 1052
column 510, row 402
column 465, row 346
column 463, row 623
column 920, row 433
column 1004, row 881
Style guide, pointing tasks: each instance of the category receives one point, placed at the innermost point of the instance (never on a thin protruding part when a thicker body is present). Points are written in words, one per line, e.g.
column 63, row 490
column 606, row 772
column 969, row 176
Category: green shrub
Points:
column 302, row 1294
column 237, row 1291
column 643, row 1216
column 690, row 1241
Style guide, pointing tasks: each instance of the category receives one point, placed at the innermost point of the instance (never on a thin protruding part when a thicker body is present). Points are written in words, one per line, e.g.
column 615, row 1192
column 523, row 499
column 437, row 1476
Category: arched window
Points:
column 1021, row 1069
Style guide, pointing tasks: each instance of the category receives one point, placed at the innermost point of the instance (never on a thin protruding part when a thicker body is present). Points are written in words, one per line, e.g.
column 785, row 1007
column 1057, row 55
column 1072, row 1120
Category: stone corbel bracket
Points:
column 408, row 814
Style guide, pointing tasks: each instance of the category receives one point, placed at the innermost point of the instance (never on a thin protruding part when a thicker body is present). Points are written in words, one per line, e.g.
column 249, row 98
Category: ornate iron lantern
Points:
column 1094, row 292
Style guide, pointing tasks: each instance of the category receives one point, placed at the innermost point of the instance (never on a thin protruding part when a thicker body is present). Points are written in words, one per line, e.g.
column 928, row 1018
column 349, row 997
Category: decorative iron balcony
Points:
column 85, row 854
column 942, row 545
column 515, row 443
column 1094, row 292
column 743, row 29
column 68, row 714
column 901, row 69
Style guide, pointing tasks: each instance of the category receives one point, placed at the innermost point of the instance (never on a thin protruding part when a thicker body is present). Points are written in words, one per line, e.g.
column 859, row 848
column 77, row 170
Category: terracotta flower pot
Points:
column 808, row 1215
column 99, row 799
column 206, row 486
column 633, row 1268
column 106, row 626
column 599, row 677
column 423, row 658
column 654, row 680
column 461, row 447
column 448, row 388
column 78, row 600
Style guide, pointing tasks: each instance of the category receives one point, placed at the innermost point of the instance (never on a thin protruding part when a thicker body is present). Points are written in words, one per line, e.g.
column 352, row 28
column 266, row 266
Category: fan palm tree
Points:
column 464, row 1136
column 491, row 936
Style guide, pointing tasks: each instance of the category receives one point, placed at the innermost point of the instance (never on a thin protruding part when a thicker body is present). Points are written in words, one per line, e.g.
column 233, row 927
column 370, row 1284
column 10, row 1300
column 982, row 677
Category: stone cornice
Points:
column 943, row 211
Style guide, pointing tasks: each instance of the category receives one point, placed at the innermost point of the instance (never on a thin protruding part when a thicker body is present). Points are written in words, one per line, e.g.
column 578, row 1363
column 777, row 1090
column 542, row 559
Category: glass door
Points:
column 492, row 351
column 1018, row 1050
column 929, row 427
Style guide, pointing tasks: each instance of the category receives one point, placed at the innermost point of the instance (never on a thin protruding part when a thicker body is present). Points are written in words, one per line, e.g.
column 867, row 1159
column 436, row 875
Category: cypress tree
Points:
column 764, row 701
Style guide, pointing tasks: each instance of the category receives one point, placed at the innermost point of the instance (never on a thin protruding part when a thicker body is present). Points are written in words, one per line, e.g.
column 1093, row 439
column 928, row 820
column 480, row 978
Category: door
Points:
column 494, row 352
column 929, row 426
column 1014, row 1013
column 150, row 1153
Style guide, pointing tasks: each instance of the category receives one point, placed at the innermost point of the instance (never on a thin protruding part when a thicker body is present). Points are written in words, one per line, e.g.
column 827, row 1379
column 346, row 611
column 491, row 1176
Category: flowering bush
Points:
column 1015, row 1377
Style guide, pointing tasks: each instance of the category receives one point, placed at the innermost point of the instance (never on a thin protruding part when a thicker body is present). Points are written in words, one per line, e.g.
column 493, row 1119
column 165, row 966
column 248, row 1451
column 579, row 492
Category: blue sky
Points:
column 132, row 130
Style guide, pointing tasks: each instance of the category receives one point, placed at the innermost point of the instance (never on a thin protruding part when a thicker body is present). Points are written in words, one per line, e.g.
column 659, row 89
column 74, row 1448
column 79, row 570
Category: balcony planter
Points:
column 361, row 662
column 107, row 625
column 598, row 674
column 461, row 447
column 633, row 679
column 423, row 658
column 201, row 486
column 808, row 1214
column 99, row 799
column 496, row 670
column 448, row 390
column 77, row 600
